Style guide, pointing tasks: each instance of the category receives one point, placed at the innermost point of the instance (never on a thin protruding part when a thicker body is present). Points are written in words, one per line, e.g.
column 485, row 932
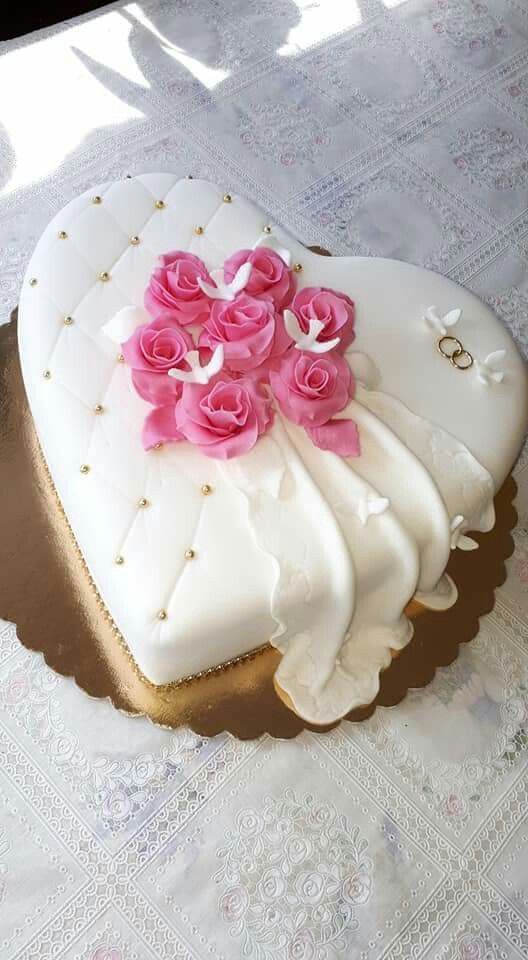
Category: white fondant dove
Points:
column 440, row 323
column 226, row 291
column 197, row 373
column 459, row 539
column 307, row 341
column 122, row 325
column 487, row 371
column 371, row 506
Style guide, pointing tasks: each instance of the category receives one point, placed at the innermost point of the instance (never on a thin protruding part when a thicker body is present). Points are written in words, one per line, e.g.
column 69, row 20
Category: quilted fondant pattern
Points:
column 148, row 509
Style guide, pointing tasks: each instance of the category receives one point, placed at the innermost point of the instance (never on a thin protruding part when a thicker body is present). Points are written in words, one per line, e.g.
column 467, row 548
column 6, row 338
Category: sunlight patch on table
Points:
column 208, row 76
column 57, row 92
column 318, row 22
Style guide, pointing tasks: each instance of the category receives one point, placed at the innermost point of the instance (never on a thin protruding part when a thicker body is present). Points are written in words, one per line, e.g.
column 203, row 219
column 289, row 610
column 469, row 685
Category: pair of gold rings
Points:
column 452, row 350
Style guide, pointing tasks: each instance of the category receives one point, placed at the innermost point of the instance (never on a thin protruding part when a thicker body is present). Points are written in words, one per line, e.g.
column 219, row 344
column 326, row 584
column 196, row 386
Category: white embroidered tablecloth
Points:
column 385, row 127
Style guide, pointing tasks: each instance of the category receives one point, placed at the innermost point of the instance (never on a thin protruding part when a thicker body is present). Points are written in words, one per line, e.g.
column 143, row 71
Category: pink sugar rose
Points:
column 270, row 277
column 152, row 350
column 174, row 286
column 224, row 417
column 250, row 330
column 332, row 308
column 311, row 388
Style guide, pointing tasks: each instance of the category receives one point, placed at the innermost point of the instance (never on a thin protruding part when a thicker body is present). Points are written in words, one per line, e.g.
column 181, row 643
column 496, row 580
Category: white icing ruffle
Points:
column 466, row 486
column 342, row 583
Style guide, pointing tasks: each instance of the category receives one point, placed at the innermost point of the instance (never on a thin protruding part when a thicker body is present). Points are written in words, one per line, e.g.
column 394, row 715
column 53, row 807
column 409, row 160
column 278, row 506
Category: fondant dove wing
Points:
column 197, row 373
column 441, row 323
column 308, row 341
column 226, row 291
column 458, row 538
column 122, row 325
column 282, row 252
column 487, row 370
column 371, row 506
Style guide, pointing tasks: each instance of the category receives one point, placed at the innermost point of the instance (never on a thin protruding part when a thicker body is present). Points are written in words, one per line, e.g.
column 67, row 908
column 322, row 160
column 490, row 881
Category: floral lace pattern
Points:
column 493, row 155
column 118, row 789
column 4, row 848
column 302, row 135
column 470, row 24
column 354, row 219
column 110, row 829
column 293, row 878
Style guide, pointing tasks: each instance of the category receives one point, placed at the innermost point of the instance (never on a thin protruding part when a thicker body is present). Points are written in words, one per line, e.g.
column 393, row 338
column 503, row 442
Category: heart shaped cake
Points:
column 254, row 443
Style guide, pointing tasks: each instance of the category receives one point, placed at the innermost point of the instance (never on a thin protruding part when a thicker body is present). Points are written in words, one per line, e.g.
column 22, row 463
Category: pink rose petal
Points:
column 339, row 436
column 160, row 427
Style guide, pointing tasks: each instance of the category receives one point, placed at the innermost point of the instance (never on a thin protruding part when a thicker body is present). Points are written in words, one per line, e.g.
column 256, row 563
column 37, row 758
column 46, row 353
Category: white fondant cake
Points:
column 201, row 560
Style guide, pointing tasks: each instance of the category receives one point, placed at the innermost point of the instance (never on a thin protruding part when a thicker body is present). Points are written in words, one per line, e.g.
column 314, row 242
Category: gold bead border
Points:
column 159, row 687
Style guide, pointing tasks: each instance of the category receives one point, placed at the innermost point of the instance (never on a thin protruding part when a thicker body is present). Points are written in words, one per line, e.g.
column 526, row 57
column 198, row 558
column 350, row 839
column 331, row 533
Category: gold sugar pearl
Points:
column 104, row 276
column 97, row 200
column 198, row 231
column 134, row 241
column 158, row 445
column 98, row 408
column 47, row 374
column 62, row 234
column 119, row 560
column 206, row 489
column 84, row 468
column 33, row 282
column 120, row 358
column 190, row 554
column 67, row 321
column 162, row 615
column 227, row 198
column 159, row 204
column 266, row 229
column 143, row 502
column 297, row 267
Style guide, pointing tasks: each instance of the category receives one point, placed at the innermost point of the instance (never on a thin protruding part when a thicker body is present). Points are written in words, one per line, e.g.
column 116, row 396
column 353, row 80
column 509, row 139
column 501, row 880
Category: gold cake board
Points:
column 46, row 590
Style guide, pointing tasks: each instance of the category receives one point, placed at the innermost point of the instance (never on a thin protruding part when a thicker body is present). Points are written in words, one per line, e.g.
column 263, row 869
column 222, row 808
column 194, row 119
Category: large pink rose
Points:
column 250, row 330
column 270, row 277
column 152, row 350
column 225, row 417
column 310, row 388
column 332, row 308
column 174, row 286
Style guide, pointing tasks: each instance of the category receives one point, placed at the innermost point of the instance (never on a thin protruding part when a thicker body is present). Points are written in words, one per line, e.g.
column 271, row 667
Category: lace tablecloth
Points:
column 371, row 127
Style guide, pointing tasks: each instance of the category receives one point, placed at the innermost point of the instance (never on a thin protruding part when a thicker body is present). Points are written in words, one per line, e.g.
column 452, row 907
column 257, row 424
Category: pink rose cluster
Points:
column 261, row 368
